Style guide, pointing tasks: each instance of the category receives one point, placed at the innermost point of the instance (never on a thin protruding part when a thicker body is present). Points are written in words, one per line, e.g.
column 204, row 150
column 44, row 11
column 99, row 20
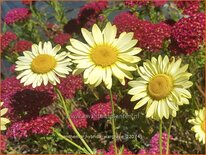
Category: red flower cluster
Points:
column 189, row 7
column 62, row 38
column 79, row 118
column 16, row 15
column 150, row 36
column 188, row 34
column 70, row 85
column 24, row 102
column 112, row 151
column 6, row 39
column 39, row 125
column 126, row 22
column 89, row 13
column 132, row 3
column 2, row 142
column 22, row 45
column 100, row 110
column 27, row 2
column 154, row 144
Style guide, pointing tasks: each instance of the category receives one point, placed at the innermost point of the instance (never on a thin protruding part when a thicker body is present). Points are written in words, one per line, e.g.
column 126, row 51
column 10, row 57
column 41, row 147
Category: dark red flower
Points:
column 89, row 13
column 62, row 38
column 73, row 26
column 16, row 15
column 24, row 102
column 188, row 34
column 79, row 118
column 22, row 45
column 6, row 39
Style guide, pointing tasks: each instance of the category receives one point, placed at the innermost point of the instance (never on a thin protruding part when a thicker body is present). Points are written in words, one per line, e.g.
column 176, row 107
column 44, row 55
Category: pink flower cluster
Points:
column 62, row 38
column 6, row 39
column 111, row 151
column 79, row 118
column 132, row 3
column 39, row 125
column 102, row 109
column 189, row 7
column 154, row 145
column 70, row 85
column 22, row 45
column 16, row 15
column 188, row 34
column 89, row 13
column 150, row 36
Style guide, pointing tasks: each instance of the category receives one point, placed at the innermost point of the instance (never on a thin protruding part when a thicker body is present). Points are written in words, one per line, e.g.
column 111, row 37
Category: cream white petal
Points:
column 3, row 111
column 88, row 71
column 76, row 51
column 128, row 46
column 97, row 34
column 35, row 49
column 138, row 96
column 55, row 50
column 109, row 33
column 88, row 36
column 141, row 102
column 79, row 46
column 152, row 108
column 121, row 42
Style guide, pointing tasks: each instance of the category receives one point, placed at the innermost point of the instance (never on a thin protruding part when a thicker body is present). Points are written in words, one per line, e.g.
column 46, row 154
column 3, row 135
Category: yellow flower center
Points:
column 104, row 55
column 43, row 63
column 203, row 126
column 160, row 86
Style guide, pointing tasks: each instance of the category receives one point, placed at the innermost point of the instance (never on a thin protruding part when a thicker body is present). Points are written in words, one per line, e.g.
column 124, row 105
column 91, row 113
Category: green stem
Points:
column 168, row 136
column 160, row 137
column 71, row 123
column 71, row 142
column 113, row 122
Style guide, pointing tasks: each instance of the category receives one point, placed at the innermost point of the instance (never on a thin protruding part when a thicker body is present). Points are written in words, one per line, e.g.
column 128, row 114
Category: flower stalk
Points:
column 168, row 136
column 71, row 123
column 160, row 137
column 113, row 123
column 71, row 142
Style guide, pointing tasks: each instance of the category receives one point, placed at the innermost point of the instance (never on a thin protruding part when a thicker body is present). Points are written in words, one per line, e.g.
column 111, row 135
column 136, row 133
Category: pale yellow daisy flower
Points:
column 42, row 65
column 104, row 55
column 162, row 86
column 199, row 125
column 3, row 121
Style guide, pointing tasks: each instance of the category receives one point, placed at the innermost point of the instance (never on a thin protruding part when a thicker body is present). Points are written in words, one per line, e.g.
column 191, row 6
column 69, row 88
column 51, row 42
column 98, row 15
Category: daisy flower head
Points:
column 162, row 85
column 199, row 125
column 3, row 121
column 42, row 64
column 104, row 55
